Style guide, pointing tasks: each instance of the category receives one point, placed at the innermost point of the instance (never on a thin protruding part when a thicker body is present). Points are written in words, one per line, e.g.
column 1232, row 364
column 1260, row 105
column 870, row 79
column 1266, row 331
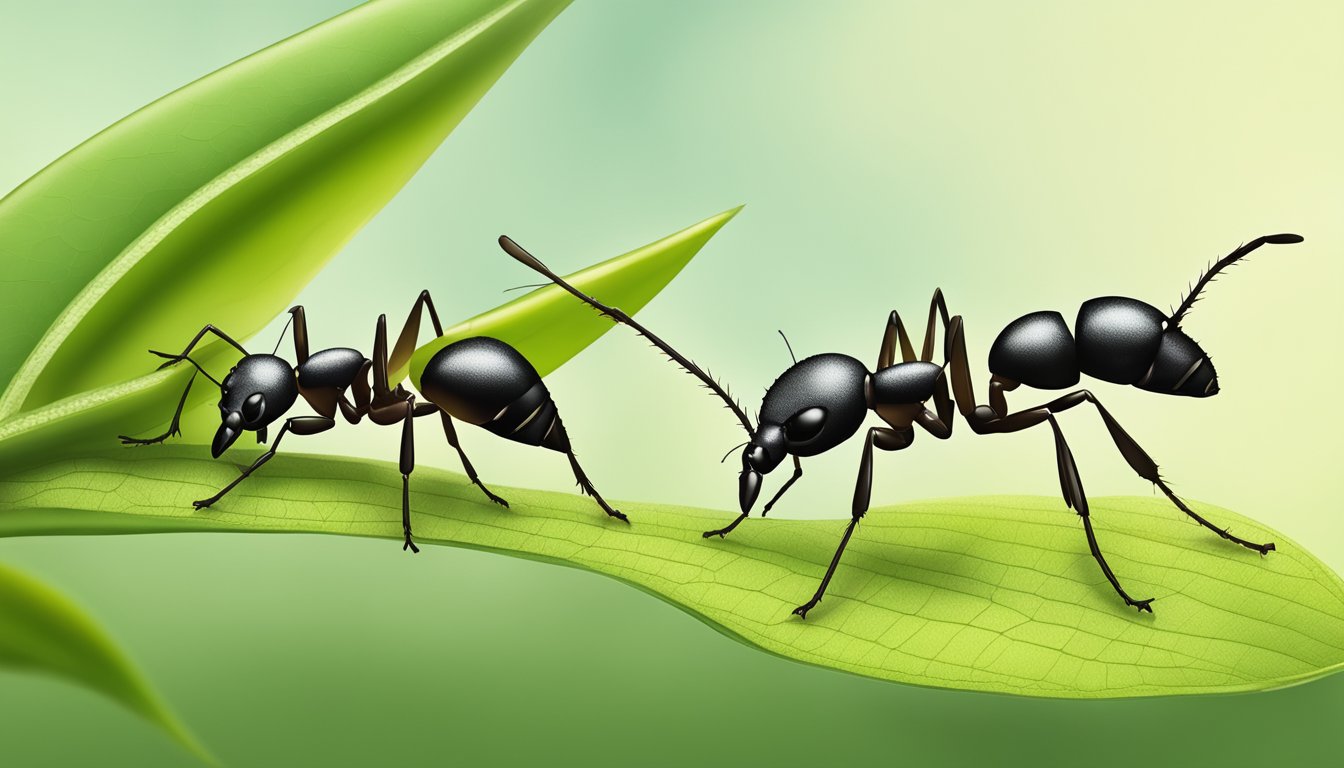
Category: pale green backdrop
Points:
column 1021, row 157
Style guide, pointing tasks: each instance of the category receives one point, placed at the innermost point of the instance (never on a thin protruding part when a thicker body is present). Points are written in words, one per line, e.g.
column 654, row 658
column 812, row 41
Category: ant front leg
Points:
column 887, row 440
column 727, row 529
column 797, row 473
column 192, row 345
column 174, row 427
column 299, row 425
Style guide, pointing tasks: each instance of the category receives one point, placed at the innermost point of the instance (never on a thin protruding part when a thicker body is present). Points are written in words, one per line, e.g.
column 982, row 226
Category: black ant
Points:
column 821, row 401
column 480, row 380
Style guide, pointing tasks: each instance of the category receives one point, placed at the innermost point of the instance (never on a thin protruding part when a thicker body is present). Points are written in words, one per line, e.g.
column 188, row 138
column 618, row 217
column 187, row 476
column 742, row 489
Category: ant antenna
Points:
column 730, row 451
column 1226, row 261
column 790, row 346
column 282, row 334
column 516, row 251
column 521, row 287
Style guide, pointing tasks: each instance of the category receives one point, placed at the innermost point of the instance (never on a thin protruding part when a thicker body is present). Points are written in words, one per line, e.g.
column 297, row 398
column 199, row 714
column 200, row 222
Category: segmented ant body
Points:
column 821, row 401
column 478, row 380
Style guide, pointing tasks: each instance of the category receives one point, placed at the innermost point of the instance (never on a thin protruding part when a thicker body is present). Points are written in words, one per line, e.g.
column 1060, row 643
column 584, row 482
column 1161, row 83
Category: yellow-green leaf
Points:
column 218, row 202
column 987, row 594
column 549, row 326
column 42, row 631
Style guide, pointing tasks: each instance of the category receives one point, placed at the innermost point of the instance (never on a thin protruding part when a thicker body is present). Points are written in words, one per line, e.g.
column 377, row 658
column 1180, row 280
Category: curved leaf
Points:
column 42, row 631
column 266, row 167
column 988, row 594
column 549, row 326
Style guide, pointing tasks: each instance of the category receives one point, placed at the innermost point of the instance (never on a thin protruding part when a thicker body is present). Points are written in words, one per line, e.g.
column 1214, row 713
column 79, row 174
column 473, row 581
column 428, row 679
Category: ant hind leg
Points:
column 451, row 434
column 1143, row 464
column 558, row 439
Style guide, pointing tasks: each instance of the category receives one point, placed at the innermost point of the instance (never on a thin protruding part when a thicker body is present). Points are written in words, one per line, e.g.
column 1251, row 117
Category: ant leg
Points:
column 727, row 529
column 558, row 439
column 403, row 411
column 797, row 473
column 192, row 344
column 300, row 334
column 380, row 389
column 299, row 425
column 895, row 333
column 451, row 434
column 360, row 389
column 887, row 440
column 405, row 345
column 1143, row 464
column 938, row 422
column 724, row 531
column 1071, row 485
column 936, row 306
column 983, row 419
column 173, row 428
column 963, row 391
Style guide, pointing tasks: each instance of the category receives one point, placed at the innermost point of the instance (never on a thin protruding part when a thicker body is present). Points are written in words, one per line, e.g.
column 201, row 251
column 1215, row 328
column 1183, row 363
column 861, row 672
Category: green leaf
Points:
column 217, row 203
column 987, row 594
column 42, row 631
column 549, row 326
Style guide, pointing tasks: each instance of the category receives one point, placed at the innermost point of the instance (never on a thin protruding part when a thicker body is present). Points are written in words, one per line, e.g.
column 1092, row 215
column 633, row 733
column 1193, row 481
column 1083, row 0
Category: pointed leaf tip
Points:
column 548, row 326
column 43, row 631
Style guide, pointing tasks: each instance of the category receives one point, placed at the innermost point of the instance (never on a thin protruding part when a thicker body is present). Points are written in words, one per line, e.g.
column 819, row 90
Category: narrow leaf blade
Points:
column 549, row 326
column 987, row 594
column 218, row 202
column 42, row 631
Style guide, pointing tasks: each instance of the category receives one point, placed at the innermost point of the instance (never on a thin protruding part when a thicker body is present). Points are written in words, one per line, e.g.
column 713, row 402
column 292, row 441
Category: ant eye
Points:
column 805, row 425
column 253, row 406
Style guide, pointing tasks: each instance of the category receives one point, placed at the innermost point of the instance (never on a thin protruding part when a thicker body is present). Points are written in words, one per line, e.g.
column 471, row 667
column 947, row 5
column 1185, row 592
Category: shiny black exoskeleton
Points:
column 822, row 401
column 480, row 380
column 1120, row 340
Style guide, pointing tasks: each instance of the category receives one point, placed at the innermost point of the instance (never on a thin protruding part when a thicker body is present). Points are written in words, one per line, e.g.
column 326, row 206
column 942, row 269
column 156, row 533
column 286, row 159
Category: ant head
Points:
column 1180, row 368
column 257, row 391
column 767, row 448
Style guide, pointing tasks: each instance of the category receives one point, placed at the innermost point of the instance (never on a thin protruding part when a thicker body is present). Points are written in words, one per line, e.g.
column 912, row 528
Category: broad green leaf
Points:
column 217, row 203
column 549, row 326
column 42, row 631
column 987, row 594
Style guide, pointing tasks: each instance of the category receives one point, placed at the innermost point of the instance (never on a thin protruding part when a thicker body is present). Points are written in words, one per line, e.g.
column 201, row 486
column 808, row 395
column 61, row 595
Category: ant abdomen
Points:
column 1118, row 338
column 487, row 382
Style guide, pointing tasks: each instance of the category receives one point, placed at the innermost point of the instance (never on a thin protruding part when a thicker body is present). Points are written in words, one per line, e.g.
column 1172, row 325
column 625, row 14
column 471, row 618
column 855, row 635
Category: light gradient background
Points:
column 1022, row 158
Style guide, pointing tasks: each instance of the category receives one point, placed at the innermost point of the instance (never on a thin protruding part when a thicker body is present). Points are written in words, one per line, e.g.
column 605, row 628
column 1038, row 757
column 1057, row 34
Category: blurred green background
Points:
column 1022, row 158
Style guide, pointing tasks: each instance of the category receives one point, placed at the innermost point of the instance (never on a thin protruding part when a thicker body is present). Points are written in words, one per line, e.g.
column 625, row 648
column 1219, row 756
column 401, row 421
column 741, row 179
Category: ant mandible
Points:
column 821, row 401
column 480, row 380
